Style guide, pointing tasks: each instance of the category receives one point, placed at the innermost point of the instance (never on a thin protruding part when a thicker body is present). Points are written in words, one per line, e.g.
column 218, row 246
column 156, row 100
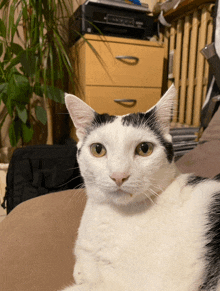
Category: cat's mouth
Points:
column 122, row 192
column 120, row 197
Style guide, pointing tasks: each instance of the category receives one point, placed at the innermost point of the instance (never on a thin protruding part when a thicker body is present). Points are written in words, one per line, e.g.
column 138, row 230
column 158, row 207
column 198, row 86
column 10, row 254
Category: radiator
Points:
column 185, row 38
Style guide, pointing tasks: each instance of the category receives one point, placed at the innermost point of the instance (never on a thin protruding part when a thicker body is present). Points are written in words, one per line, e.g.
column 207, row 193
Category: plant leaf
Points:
column 3, row 87
column 41, row 114
column 11, row 71
column 3, row 91
column 16, row 48
column 14, row 132
column 15, row 26
column 3, row 120
column 27, row 132
column 55, row 94
column 19, row 88
column 38, row 89
column 8, row 55
column 28, row 61
column 8, row 103
column 1, row 49
column 3, row 3
column 22, row 114
column 2, row 28
column 13, row 62
column 11, row 17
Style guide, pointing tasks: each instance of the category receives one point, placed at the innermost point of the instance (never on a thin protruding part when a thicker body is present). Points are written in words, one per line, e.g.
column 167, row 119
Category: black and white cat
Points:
column 145, row 227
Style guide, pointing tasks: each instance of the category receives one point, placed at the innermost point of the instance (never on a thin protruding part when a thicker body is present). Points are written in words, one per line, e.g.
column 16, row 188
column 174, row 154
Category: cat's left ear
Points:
column 164, row 108
column 81, row 114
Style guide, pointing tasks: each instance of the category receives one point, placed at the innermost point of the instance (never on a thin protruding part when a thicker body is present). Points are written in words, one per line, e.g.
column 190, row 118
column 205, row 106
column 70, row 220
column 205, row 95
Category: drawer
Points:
column 101, row 99
column 142, row 67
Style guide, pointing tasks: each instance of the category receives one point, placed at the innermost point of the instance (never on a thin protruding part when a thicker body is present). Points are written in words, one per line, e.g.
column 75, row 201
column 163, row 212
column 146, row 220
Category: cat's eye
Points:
column 97, row 150
column 144, row 149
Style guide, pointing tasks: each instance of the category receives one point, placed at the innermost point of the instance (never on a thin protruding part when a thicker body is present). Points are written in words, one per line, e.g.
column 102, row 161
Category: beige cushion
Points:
column 36, row 242
column 203, row 161
column 212, row 132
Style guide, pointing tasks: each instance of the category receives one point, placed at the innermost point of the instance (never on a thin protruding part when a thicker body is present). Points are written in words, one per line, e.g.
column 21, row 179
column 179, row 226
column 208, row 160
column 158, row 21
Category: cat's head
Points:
column 124, row 159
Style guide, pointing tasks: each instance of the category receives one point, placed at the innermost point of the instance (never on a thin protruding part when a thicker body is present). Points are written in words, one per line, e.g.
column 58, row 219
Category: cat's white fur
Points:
column 149, row 234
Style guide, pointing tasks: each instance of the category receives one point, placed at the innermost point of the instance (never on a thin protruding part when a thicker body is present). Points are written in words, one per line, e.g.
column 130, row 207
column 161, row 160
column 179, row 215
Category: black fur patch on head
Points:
column 138, row 119
column 212, row 255
column 195, row 180
column 101, row 119
column 148, row 119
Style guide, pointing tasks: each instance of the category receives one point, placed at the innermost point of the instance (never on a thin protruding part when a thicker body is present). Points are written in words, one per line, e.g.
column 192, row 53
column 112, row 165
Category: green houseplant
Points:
column 34, row 61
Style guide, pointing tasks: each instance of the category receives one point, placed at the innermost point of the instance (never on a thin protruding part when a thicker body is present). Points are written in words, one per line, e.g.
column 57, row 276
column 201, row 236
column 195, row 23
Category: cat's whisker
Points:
column 155, row 183
column 72, row 179
column 157, row 187
column 74, row 168
column 154, row 193
column 77, row 193
column 151, row 200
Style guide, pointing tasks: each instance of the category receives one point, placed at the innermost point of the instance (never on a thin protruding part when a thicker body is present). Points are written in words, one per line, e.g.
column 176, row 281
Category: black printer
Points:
column 111, row 18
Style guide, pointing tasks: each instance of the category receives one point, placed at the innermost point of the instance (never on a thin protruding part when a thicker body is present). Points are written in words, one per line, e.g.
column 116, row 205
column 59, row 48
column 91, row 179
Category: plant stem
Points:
column 3, row 73
column 49, row 121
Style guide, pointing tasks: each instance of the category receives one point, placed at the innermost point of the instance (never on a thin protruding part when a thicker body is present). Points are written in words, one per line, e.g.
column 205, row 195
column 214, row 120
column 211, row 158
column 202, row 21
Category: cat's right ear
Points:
column 81, row 114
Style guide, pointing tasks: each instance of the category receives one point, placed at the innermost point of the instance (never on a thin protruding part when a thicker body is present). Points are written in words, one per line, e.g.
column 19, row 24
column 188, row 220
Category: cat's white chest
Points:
column 160, row 247
column 106, row 234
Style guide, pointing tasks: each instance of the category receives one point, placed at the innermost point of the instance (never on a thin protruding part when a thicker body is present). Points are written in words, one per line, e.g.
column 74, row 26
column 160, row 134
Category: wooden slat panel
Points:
column 178, row 59
column 166, row 55
column 208, row 41
column 200, row 68
column 192, row 67
column 191, row 70
column 172, row 44
column 185, row 47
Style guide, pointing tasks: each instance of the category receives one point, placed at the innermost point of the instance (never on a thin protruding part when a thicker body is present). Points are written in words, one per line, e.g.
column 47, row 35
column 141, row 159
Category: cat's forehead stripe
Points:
column 137, row 119
column 101, row 119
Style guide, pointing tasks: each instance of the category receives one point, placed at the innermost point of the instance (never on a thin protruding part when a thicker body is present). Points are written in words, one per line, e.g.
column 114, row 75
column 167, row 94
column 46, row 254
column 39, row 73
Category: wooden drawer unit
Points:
column 121, row 100
column 117, row 75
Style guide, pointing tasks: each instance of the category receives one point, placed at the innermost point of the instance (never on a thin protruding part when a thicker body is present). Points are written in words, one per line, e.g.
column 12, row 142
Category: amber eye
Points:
column 97, row 150
column 144, row 149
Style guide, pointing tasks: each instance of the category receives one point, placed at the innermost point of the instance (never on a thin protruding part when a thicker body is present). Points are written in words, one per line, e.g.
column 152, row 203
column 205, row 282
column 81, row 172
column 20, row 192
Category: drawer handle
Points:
column 125, row 100
column 122, row 58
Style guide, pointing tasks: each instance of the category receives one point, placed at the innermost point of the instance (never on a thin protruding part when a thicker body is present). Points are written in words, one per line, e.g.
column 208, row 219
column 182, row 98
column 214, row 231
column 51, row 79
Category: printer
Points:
column 111, row 18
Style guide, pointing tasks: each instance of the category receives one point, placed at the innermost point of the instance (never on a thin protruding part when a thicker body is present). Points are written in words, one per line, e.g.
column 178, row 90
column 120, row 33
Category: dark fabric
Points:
column 41, row 169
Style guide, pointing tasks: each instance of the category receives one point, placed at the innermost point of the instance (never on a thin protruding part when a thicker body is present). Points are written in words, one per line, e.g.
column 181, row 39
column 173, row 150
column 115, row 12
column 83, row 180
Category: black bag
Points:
column 38, row 170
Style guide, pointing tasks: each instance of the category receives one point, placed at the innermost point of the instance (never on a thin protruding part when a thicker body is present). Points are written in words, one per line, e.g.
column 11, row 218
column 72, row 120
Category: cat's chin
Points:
column 119, row 197
column 123, row 198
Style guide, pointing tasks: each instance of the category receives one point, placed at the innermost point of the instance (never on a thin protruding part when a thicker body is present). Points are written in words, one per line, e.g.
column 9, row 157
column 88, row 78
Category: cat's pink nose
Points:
column 119, row 178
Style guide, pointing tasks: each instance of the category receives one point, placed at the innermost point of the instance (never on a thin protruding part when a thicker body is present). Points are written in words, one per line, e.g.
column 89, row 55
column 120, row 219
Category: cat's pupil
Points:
column 144, row 147
column 98, row 148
